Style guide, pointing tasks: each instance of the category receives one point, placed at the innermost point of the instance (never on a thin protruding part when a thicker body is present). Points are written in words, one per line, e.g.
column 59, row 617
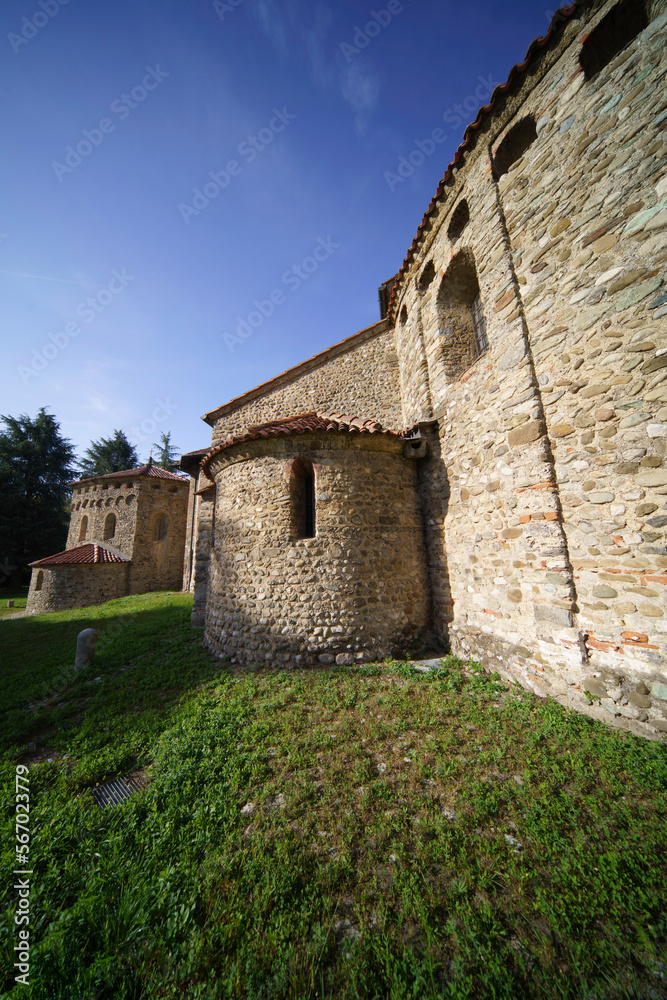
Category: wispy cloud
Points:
column 360, row 86
column 294, row 30
column 43, row 277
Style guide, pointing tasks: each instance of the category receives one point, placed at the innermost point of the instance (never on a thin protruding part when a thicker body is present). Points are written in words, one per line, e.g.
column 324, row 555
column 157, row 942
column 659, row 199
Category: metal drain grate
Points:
column 113, row 793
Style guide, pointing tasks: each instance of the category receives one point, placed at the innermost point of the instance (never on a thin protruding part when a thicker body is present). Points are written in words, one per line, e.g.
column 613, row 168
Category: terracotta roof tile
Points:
column 305, row 423
column 89, row 553
column 562, row 14
column 149, row 471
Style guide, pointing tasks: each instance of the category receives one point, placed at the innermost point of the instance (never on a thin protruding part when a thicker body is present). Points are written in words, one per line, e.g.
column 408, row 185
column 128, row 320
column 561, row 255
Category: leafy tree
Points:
column 167, row 453
column 113, row 454
column 36, row 464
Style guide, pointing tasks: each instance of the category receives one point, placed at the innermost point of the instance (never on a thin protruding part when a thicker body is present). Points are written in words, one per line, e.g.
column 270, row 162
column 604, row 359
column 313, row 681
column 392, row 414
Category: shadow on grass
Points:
column 148, row 658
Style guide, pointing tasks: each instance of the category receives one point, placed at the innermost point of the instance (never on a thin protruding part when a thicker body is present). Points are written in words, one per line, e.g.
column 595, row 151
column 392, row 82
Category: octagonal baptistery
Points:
column 318, row 553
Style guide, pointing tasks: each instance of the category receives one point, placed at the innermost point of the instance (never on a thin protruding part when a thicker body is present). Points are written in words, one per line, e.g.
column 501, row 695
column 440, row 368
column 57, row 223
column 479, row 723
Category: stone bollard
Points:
column 85, row 648
column 10, row 604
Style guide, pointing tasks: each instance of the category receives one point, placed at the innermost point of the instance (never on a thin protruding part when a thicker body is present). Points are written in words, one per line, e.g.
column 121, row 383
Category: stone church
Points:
column 486, row 466
column 126, row 536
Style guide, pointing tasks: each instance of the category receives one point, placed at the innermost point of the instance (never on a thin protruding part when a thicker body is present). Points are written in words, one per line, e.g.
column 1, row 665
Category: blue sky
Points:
column 199, row 195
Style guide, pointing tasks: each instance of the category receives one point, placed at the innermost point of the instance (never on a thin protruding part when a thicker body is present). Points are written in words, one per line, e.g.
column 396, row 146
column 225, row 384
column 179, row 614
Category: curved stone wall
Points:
column 354, row 592
column 553, row 443
column 65, row 587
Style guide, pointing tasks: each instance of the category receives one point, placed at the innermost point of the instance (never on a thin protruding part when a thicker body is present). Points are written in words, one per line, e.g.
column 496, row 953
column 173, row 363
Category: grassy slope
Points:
column 372, row 859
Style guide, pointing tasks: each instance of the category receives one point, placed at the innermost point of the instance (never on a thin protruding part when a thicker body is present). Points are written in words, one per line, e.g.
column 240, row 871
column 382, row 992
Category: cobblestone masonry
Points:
column 65, row 587
column 358, row 376
column 354, row 592
column 543, row 485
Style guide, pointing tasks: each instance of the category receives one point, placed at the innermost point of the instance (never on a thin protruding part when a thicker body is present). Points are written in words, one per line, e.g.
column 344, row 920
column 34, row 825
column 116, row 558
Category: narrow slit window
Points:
column 161, row 528
column 83, row 529
column 303, row 498
column 309, row 505
column 479, row 325
column 39, row 583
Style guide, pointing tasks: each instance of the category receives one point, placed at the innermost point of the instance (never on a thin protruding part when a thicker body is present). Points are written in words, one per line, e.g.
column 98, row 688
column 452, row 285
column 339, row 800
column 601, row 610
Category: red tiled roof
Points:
column 149, row 471
column 89, row 553
column 305, row 423
column 562, row 14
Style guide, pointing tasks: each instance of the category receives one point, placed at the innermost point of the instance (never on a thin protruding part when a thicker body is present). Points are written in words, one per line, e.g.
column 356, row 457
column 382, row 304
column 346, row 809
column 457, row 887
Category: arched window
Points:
column 461, row 322
column 109, row 526
column 616, row 30
column 83, row 528
column 161, row 528
column 39, row 582
column 514, row 145
column 459, row 220
column 426, row 277
column 302, row 492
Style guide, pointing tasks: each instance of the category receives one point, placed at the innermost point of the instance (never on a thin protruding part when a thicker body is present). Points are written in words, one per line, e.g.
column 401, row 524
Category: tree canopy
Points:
column 114, row 454
column 36, row 464
column 167, row 453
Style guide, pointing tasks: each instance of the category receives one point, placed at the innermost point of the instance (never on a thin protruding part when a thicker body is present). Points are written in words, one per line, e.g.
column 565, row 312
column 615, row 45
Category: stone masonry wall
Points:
column 590, row 260
column 204, row 542
column 191, row 531
column 157, row 562
column 544, row 510
column 355, row 591
column 65, row 587
column 95, row 502
column 359, row 378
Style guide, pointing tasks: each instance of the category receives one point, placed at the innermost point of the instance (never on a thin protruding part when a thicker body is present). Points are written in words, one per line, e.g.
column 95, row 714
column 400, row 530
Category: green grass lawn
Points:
column 344, row 832
column 18, row 596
